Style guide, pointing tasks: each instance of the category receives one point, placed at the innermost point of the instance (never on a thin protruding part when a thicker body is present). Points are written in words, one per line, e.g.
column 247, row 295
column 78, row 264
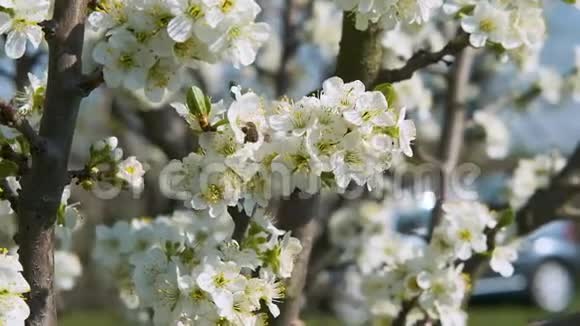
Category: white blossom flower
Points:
column 337, row 94
column 531, row 175
column 67, row 268
column 132, row 171
column 371, row 110
column 491, row 22
column 295, row 118
column 126, row 62
column 464, row 225
column 20, row 24
column 242, row 39
column 551, row 84
column 13, row 308
column 502, row 258
column 222, row 280
column 190, row 19
column 497, row 135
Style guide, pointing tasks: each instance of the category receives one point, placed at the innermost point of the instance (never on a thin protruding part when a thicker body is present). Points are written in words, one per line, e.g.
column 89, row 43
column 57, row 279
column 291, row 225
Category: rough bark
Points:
column 42, row 187
column 453, row 129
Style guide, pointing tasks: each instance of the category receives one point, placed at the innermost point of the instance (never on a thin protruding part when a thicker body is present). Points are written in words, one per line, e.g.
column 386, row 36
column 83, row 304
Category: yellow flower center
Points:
column 487, row 25
column 195, row 12
column 213, row 194
column 465, row 235
column 227, row 5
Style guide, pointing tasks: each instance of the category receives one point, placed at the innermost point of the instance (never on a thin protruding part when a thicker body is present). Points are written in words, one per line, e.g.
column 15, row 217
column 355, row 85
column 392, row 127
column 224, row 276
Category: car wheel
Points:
column 552, row 286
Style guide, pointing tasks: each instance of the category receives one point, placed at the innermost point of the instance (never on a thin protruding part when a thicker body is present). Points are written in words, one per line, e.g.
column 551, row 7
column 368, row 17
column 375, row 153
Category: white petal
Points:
column 180, row 28
column 5, row 22
column 15, row 45
column 35, row 35
column 247, row 52
column 478, row 40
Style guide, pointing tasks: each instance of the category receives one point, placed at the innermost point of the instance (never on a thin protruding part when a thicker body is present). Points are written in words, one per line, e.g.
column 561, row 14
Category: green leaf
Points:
column 389, row 91
column 197, row 102
column 220, row 123
column 572, row 2
column 506, row 218
column 8, row 168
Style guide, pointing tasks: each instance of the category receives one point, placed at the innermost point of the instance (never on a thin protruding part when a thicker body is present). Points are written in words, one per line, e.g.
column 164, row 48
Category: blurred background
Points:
column 297, row 58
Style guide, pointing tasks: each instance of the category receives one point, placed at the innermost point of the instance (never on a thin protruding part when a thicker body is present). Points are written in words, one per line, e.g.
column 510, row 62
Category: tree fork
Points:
column 42, row 187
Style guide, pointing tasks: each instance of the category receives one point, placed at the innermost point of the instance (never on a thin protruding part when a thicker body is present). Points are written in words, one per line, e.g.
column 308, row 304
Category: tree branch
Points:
column 10, row 117
column 422, row 59
column 300, row 216
column 241, row 223
column 289, row 47
column 453, row 129
column 545, row 205
column 42, row 188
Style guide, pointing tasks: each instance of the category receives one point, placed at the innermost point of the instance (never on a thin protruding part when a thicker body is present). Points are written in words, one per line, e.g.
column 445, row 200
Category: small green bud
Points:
column 199, row 105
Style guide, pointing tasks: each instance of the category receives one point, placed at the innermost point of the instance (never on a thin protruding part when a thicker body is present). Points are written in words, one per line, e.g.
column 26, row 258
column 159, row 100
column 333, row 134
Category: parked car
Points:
column 545, row 272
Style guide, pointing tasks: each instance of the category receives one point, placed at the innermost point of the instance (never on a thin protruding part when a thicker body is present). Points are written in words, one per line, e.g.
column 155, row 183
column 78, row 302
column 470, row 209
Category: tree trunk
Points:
column 361, row 52
column 42, row 187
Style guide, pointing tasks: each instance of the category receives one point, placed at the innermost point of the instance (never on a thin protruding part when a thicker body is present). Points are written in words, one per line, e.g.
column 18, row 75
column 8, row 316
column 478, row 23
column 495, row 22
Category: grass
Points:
column 498, row 314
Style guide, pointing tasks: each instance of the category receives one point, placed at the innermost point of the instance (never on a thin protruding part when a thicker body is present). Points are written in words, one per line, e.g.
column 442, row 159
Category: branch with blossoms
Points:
column 548, row 202
column 106, row 166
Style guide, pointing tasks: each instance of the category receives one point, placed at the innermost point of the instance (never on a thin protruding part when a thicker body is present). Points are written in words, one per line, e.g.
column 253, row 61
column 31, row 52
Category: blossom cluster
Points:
column 189, row 271
column 497, row 134
column 19, row 21
column 395, row 270
column 258, row 149
column 510, row 24
column 533, row 174
column 13, row 308
column 106, row 166
column 146, row 43
column 389, row 13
